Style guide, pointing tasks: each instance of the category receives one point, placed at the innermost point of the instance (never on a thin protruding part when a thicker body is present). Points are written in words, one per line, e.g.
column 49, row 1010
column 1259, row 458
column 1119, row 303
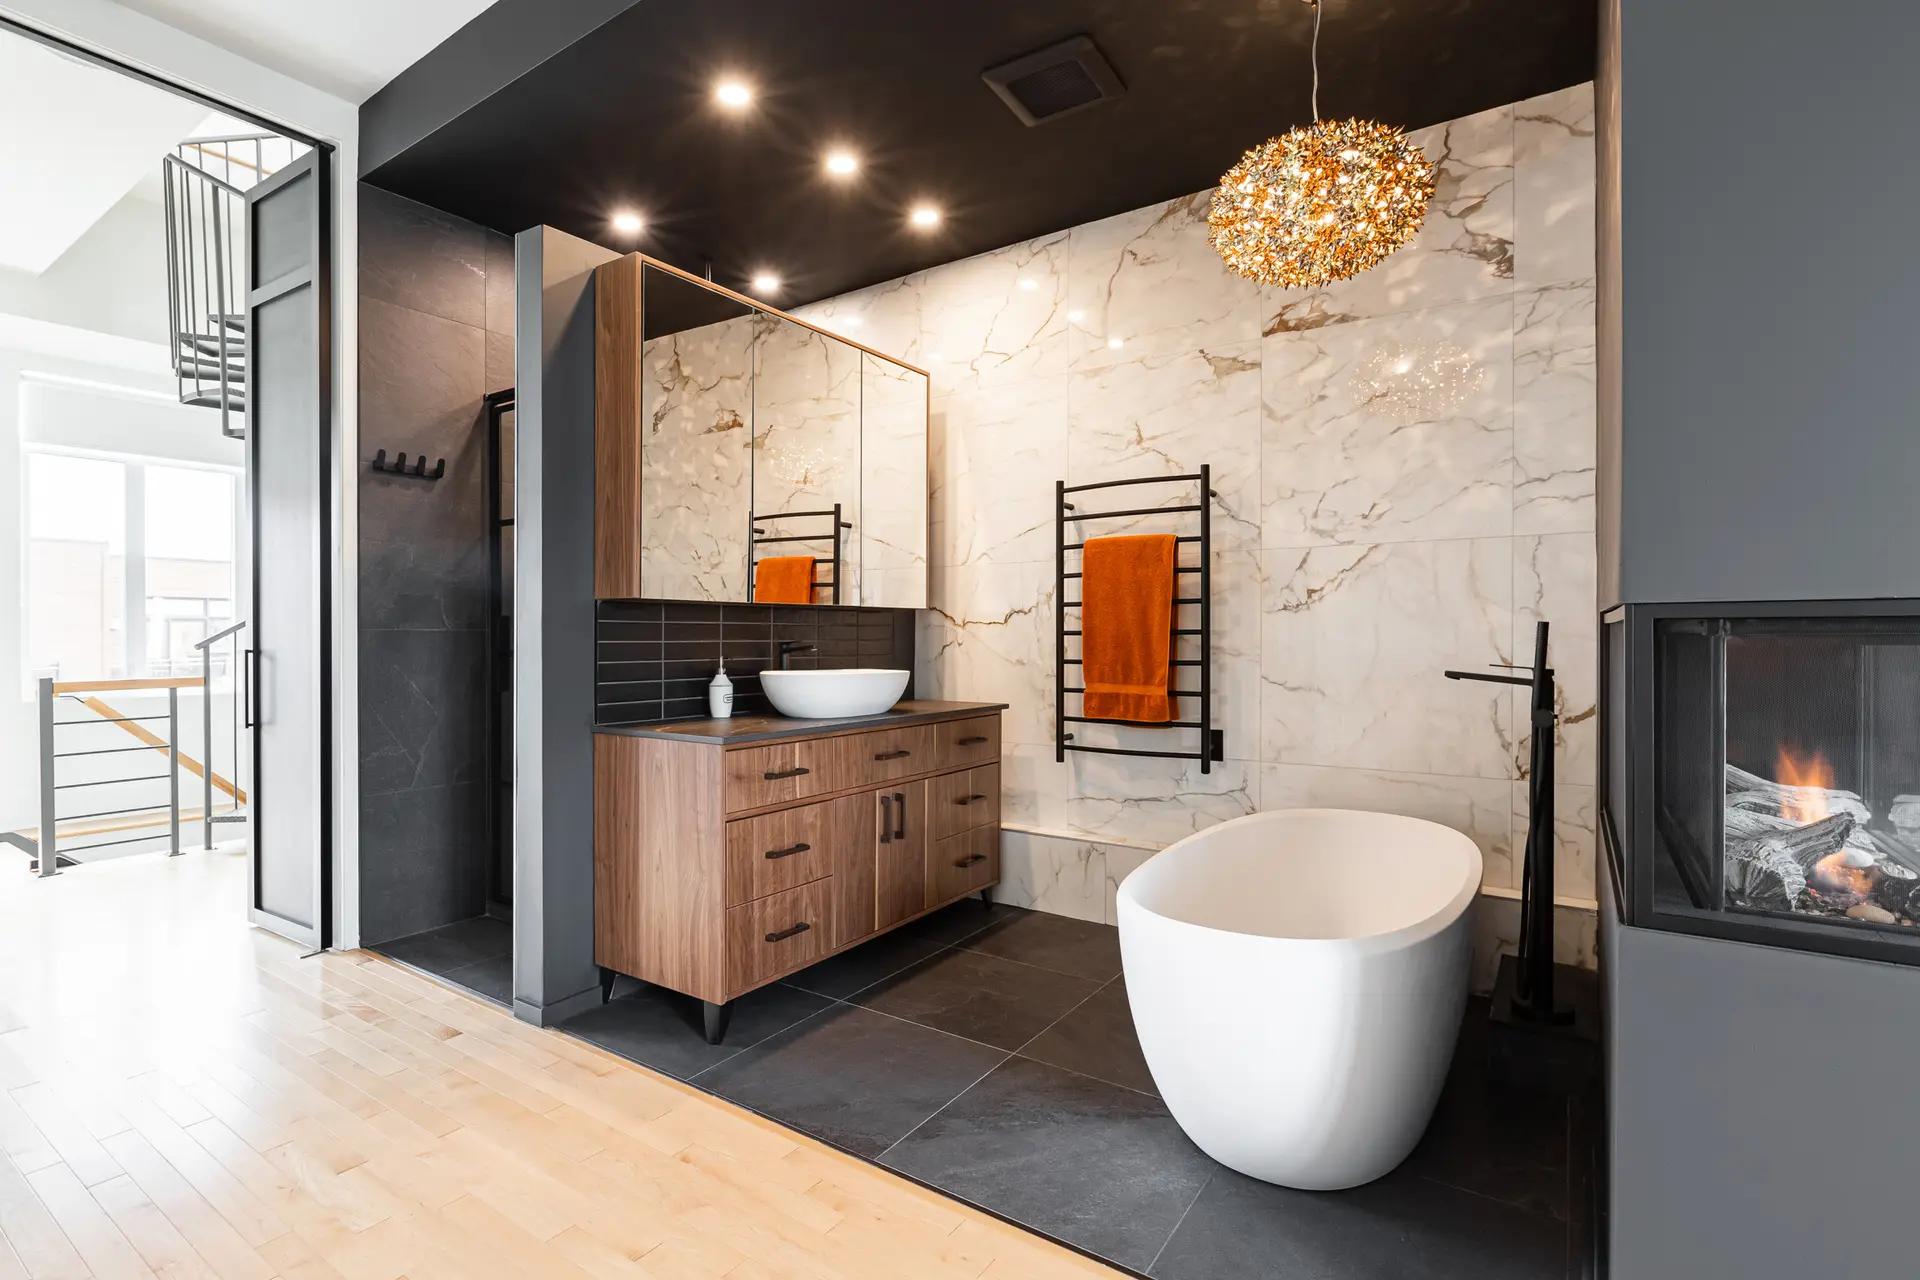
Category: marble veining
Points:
column 697, row 398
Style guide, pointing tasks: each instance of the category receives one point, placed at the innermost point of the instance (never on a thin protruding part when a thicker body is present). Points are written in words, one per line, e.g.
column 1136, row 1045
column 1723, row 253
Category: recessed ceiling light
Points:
column 842, row 163
column 924, row 216
column 733, row 93
column 627, row 222
column 766, row 282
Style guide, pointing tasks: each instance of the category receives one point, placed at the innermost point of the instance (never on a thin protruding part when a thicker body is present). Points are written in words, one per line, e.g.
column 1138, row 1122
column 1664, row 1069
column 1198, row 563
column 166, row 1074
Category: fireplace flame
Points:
column 1813, row 777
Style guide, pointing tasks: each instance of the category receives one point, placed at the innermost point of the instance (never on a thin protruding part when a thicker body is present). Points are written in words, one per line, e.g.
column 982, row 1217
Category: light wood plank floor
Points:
column 182, row 1095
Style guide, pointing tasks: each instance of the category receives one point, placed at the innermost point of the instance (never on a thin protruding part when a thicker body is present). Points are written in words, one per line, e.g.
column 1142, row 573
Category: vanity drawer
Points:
column 961, row 864
column 866, row 759
column 778, row 934
column 967, row 742
column 779, row 774
column 782, row 850
column 964, row 800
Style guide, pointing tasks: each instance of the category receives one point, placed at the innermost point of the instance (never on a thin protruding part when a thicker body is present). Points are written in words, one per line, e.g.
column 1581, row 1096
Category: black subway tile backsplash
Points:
column 655, row 657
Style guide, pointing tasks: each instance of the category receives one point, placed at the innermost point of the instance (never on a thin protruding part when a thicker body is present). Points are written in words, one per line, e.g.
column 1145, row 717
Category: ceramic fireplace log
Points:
column 1752, row 824
column 1772, row 870
column 1751, row 791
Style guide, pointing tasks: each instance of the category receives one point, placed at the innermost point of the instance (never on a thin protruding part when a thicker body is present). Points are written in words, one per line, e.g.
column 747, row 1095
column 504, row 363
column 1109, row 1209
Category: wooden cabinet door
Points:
column 900, row 814
column 851, row 831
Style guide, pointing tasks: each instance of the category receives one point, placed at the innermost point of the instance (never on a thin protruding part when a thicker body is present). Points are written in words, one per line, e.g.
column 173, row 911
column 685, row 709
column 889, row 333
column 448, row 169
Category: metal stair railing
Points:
column 47, row 838
column 205, row 234
column 242, row 719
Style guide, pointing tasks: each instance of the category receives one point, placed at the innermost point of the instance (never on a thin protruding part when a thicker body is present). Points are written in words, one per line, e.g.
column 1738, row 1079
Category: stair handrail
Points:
column 204, row 213
column 205, row 648
column 47, row 836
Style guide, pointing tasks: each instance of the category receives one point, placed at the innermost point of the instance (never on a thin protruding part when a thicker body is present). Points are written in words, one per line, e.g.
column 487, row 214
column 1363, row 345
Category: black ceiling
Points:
column 624, row 117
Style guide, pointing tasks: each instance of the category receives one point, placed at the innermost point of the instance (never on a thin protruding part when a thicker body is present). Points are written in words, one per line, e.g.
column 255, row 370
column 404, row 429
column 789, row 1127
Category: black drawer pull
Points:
column 886, row 819
column 978, row 739
column 802, row 927
column 787, row 852
column 970, row 799
column 774, row 775
column 900, row 817
column 970, row 859
column 901, row 754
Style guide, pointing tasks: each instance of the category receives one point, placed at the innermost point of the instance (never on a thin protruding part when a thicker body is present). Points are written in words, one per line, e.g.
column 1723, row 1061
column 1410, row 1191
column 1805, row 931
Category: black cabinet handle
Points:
column 971, row 859
column 789, row 932
column 774, row 775
column 246, row 689
column 970, row 799
column 976, row 740
column 787, row 852
column 901, row 754
column 886, row 819
column 900, row 819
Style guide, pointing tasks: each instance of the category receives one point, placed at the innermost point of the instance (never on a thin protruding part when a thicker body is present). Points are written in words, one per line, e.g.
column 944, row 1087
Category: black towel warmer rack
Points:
column 761, row 538
column 1212, row 741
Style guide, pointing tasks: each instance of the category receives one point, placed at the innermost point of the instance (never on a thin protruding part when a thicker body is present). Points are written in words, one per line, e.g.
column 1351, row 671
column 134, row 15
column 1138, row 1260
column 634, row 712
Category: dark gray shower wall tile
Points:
column 422, row 258
column 980, row 997
column 491, row 979
column 857, row 1079
column 422, row 379
column 422, row 708
column 1059, row 943
column 500, row 376
column 1402, row 1227
column 1097, row 1039
column 422, row 860
column 421, row 586
column 663, row 1029
column 1098, row 1166
column 497, row 255
column 453, row 946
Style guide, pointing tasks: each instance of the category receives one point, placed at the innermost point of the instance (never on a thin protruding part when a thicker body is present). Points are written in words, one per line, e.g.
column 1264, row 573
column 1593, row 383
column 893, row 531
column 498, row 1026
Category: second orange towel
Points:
column 1126, row 621
column 783, row 580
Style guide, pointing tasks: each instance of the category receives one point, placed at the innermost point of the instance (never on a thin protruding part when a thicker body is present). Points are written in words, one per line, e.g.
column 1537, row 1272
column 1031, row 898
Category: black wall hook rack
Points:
column 1188, row 594
column 399, row 467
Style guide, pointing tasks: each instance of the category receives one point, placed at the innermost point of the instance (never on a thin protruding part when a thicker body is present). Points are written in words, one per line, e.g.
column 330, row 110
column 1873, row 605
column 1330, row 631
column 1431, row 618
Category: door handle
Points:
column 901, row 754
column 246, row 689
column 970, row 799
column 886, row 819
column 971, row 859
column 779, row 934
column 900, row 818
column 775, row 775
column 787, row 852
column 978, row 739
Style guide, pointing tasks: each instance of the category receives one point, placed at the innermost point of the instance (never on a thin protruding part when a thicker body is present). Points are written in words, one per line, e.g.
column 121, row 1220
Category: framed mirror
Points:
column 806, row 465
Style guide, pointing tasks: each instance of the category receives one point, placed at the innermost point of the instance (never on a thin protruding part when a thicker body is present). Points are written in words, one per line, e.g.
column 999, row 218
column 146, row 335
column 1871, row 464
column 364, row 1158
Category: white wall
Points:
column 153, row 47
column 1362, row 542
column 112, row 280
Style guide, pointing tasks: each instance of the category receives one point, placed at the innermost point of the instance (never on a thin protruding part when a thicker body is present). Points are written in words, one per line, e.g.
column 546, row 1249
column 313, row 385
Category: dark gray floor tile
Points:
column 1098, row 1166
column 962, row 920
column 1097, row 1039
column 1065, row 945
column 662, row 1029
column 1402, row 1227
column 454, row 945
column 1494, row 1139
column 981, row 997
column 850, row 971
column 857, row 1079
column 492, row 978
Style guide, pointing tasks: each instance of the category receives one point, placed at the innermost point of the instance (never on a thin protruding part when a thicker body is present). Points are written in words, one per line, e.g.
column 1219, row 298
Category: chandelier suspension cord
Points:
column 1318, row 5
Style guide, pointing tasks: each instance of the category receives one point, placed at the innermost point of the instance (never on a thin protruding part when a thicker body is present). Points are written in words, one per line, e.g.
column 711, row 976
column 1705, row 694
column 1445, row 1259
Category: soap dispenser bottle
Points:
column 720, row 694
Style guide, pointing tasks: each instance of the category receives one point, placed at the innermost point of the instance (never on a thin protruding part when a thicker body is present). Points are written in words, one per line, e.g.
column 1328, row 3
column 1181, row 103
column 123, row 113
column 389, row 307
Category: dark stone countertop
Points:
column 749, row 730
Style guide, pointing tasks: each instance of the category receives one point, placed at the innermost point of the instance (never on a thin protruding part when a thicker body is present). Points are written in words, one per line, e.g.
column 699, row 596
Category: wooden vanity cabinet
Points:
column 720, row 866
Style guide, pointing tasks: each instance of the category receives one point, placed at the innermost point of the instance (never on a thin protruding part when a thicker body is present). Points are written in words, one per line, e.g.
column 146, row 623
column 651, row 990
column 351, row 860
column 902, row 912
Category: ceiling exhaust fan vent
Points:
column 1055, row 81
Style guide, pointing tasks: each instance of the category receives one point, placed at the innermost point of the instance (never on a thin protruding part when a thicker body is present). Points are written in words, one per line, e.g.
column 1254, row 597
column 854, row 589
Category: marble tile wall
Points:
column 1405, row 467
column 436, row 334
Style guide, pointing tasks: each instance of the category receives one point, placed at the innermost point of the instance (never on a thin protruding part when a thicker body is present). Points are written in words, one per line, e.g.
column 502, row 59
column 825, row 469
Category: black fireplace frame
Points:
column 1628, row 748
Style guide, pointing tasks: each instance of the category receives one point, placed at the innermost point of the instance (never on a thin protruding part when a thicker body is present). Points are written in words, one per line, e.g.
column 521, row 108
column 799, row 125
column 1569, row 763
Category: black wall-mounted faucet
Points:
column 789, row 647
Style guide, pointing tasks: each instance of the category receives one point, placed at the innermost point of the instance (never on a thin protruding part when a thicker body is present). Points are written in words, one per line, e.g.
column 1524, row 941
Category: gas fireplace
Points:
column 1762, row 762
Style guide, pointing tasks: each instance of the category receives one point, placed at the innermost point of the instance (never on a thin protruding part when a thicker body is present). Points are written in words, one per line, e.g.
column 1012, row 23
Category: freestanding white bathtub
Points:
column 1297, row 980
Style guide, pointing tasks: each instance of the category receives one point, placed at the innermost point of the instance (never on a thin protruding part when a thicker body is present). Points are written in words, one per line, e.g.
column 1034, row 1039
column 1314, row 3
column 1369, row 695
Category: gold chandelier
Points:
column 1320, row 203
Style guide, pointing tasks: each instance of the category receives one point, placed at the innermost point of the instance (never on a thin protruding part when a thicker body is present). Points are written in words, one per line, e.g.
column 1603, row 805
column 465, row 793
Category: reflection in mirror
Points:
column 696, row 425
column 806, row 463
column 893, row 485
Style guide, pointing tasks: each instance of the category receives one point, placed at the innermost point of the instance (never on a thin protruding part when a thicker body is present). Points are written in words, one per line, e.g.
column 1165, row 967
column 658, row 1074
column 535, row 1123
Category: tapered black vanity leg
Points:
column 986, row 897
column 717, row 1016
column 606, row 984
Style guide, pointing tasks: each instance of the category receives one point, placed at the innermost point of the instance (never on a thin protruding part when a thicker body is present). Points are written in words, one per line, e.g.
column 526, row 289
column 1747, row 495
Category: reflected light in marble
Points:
column 1421, row 381
column 1116, row 343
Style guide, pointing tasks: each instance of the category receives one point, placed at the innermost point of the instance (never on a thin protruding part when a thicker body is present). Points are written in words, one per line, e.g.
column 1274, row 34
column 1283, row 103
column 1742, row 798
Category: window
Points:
column 112, row 539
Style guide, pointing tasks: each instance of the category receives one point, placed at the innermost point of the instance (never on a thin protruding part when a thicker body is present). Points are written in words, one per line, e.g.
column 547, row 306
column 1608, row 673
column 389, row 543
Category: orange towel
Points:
column 783, row 580
column 1126, row 621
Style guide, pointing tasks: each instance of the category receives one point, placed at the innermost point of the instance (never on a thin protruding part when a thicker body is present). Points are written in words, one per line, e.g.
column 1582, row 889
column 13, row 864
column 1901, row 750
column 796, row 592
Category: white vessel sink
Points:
column 831, row 695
